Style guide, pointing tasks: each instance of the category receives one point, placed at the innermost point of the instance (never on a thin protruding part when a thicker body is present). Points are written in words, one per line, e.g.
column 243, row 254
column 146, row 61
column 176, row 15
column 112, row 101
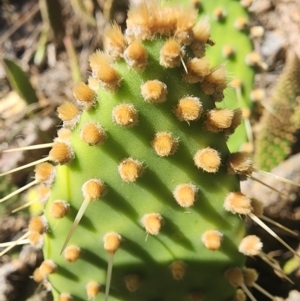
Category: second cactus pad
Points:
column 143, row 170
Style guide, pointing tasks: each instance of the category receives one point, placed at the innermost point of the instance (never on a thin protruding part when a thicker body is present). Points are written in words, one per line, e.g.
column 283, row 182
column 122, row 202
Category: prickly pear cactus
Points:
column 229, row 24
column 142, row 204
column 151, row 146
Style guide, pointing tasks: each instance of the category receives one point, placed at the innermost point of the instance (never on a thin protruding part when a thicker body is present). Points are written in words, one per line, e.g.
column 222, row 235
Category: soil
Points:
column 53, row 74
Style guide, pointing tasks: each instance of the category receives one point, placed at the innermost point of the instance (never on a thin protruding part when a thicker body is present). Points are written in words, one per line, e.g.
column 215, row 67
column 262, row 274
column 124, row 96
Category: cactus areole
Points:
column 136, row 209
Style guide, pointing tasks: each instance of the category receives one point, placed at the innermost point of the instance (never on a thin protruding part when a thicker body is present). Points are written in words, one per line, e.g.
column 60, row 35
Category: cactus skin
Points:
column 228, row 37
column 225, row 33
column 278, row 128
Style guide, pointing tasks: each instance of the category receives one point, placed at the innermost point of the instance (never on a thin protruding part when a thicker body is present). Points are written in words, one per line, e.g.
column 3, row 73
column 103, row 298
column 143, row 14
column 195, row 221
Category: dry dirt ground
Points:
column 53, row 75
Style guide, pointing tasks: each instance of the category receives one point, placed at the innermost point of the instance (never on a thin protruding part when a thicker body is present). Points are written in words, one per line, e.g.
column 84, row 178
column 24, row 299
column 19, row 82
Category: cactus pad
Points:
column 142, row 203
column 140, row 191
column 231, row 34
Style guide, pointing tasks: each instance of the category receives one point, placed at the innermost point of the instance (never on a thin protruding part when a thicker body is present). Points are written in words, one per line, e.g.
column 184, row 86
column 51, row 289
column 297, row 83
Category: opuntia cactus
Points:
column 151, row 146
column 230, row 30
column 143, row 196
column 232, row 46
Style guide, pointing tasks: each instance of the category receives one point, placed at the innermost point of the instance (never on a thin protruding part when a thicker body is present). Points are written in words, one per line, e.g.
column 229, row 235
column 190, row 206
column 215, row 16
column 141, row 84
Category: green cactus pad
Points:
column 154, row 145
column 228, row 34
column 229, row 27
